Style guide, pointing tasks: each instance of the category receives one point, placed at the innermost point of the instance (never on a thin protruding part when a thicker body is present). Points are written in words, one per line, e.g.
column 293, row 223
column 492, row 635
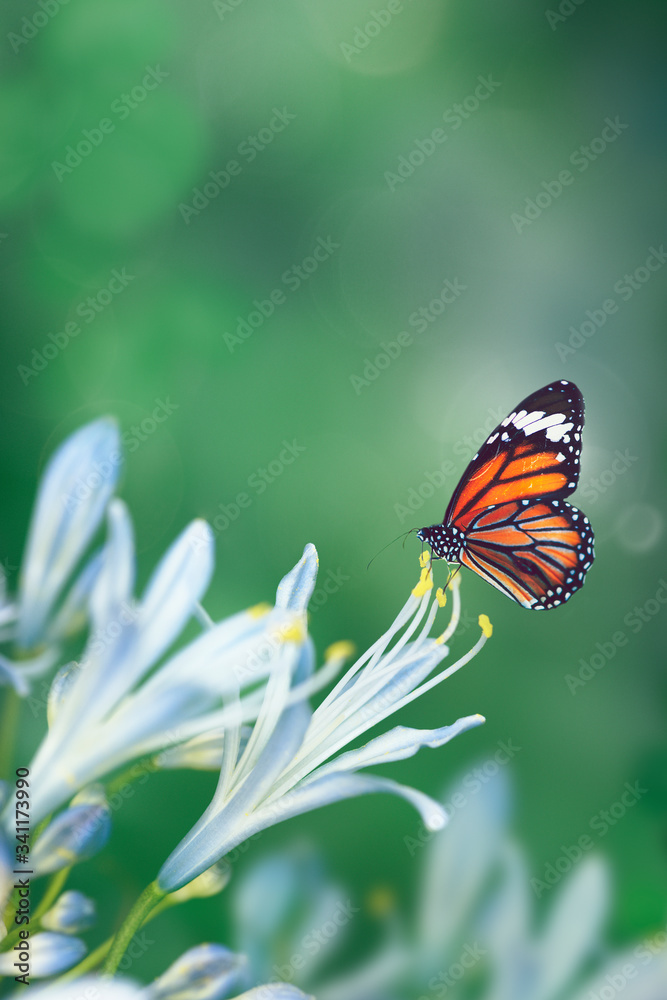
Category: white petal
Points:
column 574, row 928
column 266, row 896
column 173, row 591
column 75, row 488
column 333, row 728
column 645, row 982
column 458, row 864
column 221, row 826
column 274, row 991
column 397, row 744
column 18, row 675
column 508, row 918
column 295, row 589
column 60, row 686
column 115, row 583
column 11, row 676
column 335, row 788
column 48, row 954
column 72, row 614
column 137, row 640
column 86, row 988
column 376, row 977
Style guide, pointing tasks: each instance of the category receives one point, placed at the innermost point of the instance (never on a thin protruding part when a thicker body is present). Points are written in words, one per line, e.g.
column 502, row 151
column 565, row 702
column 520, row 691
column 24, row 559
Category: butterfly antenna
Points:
column 403, row 535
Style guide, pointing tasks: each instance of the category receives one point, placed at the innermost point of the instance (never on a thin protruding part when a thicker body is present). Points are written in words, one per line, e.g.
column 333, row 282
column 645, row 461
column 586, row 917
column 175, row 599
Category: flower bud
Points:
column 72, row 913
column 209, row 883
column 75, row 835
column 206, row 972
column 46, row 954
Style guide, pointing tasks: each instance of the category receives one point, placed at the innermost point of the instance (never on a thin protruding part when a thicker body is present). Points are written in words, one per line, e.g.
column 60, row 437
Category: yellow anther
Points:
column 441, row 597
column 454, row 582
column 259, row 610
column 425, row 582
column 339, row 650
column 381, row 901
column 424, row 559
column 293, row 633
column 485, row 625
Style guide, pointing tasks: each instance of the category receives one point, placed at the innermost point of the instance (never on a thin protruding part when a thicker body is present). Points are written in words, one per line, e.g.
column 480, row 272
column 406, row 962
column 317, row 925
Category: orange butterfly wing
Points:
column 537, row 554
column 515, row 528
column 533, row 453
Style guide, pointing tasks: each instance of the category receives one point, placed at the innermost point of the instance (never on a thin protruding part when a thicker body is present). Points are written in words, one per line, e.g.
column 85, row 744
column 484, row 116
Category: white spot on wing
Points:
column 545, row 422
column 559, row 431
column 524, row 418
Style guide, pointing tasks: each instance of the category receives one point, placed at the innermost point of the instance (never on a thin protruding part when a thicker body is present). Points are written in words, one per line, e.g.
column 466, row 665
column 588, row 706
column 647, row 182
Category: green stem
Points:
column 52, row 892
column 88, row 963
column 10, row 715
column 149, row 899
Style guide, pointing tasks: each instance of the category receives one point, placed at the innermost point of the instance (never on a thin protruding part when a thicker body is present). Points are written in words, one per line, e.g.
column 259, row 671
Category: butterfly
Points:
column 508, row 519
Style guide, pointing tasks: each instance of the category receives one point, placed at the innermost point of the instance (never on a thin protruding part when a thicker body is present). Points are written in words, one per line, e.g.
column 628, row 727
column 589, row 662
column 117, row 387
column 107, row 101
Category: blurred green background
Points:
column 204, row 151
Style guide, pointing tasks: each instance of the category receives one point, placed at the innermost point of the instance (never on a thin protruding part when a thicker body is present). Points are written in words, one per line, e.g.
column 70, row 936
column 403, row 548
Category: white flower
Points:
column 282, row 771
column 105, row 988
column 86, row 988
column 104, row 713
column 75, row 488
column 478, row 929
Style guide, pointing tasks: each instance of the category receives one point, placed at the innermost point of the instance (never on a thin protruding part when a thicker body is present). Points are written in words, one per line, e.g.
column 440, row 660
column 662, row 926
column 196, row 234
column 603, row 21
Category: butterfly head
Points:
column 445, row 543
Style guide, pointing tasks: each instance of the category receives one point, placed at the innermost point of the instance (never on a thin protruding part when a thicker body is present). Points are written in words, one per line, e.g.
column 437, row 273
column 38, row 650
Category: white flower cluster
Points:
column 235, row 698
